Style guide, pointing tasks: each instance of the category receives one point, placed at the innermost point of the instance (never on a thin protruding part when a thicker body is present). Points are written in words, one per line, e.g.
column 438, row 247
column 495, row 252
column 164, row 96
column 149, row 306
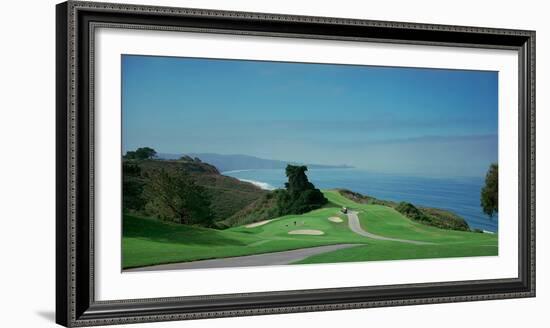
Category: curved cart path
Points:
column 355, row 226
column 277, row 258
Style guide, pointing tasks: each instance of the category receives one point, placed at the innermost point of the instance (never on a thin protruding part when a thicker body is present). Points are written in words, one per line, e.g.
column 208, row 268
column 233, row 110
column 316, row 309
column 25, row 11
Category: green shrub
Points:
column 132, row 186
column 175, row 196
column 433, row 217
column 300, row 195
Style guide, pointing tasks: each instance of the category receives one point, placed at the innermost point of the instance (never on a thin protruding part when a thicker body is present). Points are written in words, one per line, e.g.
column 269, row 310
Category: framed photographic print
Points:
column 214, row 163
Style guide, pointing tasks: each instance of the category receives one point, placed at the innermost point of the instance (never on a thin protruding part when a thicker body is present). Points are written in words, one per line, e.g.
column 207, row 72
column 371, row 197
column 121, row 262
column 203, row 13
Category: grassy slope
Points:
column 149, row 242
column 432, row 216
column 385, row 221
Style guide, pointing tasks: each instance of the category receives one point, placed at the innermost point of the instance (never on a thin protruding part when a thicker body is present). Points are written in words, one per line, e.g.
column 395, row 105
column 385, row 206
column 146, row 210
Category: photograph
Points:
column 246, row 161
column 239, row 163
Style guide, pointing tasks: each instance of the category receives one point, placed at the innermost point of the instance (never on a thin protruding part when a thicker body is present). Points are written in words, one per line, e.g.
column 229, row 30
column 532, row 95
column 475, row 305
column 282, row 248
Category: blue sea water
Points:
column 459, row 195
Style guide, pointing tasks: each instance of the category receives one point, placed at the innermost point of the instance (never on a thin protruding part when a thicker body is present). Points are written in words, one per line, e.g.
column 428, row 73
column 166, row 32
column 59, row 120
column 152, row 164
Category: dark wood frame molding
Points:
column 76, row 23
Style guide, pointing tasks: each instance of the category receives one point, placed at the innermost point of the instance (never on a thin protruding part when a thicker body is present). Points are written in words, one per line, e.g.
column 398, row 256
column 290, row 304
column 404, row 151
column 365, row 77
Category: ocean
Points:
column 459, row 195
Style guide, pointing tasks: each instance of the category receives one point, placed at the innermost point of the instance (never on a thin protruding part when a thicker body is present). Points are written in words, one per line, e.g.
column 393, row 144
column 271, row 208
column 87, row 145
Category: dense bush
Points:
column 489, row 192
column 262, row 209
column 141, row 153
column 410, row 211
column 300, row 195
column 433, row 217
column 445, row 219
column 176, row 197
column 132, row 186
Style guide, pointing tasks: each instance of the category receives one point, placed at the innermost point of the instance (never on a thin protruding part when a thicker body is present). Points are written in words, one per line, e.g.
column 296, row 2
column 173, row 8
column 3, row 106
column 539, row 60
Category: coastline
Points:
column 453, row 194
column 260, row 184
column 235, row 171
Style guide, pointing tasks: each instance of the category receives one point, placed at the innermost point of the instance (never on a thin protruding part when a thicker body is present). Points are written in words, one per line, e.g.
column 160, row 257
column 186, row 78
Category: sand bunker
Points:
column 335, row 219
column 257, row 224
column 306, row 232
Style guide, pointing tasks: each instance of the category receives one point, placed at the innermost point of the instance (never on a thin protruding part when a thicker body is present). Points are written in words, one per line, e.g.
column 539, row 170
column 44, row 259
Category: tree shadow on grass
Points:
column 158, row 231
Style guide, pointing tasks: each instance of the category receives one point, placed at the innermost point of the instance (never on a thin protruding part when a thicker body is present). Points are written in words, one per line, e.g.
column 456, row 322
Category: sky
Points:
column 413, row 121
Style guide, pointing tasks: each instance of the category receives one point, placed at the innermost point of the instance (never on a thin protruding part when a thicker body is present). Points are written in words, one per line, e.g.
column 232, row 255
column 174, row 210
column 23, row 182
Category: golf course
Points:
column 231, row 163
column 365, row 232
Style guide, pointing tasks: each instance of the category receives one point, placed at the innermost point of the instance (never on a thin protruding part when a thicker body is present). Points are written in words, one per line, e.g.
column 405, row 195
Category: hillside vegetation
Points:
column 190, row 191
column 264, row 208
column 223, row 196
column 425, row 215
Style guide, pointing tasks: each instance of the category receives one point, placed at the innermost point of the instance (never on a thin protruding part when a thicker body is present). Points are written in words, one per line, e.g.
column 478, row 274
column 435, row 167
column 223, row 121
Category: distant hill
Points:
column 244, row 162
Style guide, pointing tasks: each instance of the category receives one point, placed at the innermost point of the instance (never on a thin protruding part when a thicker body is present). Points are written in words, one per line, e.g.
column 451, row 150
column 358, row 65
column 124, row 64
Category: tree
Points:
column 132, row 186
column 300, row 195
column 145, row 153
column 297, row 179
column 130, row 155
column 489, row 193
column 175, row 197
column 141, row 153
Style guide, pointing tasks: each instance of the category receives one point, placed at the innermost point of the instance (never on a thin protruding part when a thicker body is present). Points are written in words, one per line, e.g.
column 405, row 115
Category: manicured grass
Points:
column 378, row 250
column 148, row 241
column 386, row 221
column 315, row 220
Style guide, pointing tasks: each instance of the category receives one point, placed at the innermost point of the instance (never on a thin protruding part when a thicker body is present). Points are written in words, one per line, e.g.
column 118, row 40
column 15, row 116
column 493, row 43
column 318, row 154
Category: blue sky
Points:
column 395, row 120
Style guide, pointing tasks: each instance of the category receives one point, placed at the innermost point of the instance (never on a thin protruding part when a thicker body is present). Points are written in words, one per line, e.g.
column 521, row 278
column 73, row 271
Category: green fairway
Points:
column 148, row 241
column 385, row 221
column 387, row 250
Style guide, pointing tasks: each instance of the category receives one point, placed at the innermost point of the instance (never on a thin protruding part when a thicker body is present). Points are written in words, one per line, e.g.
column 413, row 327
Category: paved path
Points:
column 355, row 226
column 277, row 258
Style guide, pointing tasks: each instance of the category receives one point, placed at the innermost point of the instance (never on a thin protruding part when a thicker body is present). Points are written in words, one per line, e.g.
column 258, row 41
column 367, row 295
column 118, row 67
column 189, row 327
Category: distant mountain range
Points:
column 245, row 162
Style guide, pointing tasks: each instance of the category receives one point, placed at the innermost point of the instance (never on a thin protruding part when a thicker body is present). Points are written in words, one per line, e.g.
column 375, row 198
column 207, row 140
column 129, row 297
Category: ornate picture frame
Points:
column 77, row 22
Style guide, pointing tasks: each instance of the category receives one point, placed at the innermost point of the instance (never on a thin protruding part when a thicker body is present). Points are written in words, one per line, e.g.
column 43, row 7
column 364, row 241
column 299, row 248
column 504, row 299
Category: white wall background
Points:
column 27, row 179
